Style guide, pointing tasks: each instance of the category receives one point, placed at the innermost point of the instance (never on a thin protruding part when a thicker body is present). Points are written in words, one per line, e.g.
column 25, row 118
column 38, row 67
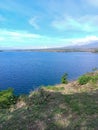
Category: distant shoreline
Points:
column 93, row 50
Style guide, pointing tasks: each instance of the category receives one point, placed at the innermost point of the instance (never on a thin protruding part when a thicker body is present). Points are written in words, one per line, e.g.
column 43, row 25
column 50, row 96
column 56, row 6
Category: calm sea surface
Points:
column 26, row 71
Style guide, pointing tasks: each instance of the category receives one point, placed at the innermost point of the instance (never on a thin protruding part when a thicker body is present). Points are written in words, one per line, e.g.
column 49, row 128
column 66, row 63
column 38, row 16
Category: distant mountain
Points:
column 90, row 45
column 87, row 47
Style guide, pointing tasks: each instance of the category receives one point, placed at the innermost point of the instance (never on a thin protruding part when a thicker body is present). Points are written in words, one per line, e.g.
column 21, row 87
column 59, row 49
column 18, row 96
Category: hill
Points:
column 87, row 47
column 90, row 45
column 69, row 106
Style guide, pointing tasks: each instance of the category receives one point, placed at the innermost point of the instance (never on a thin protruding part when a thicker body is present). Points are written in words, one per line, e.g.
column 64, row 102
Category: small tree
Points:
column 84, row 79
column 64, row 79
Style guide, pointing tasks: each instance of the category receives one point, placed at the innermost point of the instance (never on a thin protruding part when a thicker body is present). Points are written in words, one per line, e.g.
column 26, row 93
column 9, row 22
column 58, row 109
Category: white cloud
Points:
column 65, row 23
column 18, row 39
column 33, row 22
column 18, row 34
column 80, row 41
column 24, row 39
column 86, row 40
column 86, row 23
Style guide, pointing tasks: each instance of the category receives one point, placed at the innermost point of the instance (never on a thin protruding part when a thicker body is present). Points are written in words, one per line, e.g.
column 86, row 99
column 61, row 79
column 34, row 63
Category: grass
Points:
column 83, row 104
column 55, row 88
column 61, row 107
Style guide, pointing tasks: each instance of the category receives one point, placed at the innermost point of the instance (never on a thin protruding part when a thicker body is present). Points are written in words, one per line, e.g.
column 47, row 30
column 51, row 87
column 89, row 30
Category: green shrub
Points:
column 7, row 98
column 94, row 78
column 84, row 79
column 64, row 79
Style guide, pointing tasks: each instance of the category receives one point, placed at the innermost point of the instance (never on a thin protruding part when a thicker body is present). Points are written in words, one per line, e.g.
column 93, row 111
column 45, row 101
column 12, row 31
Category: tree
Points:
column 64, row 79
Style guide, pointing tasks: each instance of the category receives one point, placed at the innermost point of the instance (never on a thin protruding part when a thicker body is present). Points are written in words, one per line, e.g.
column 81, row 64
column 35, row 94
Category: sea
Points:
column 27, row 71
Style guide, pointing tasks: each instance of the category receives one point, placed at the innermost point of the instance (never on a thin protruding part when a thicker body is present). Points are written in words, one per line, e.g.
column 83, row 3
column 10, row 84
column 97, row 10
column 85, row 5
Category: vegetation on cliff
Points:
column 7, row 98
column 69, row 106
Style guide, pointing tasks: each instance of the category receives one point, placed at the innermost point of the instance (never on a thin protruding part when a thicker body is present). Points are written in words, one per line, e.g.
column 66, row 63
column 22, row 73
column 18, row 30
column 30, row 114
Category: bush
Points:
column 94, row 78
column 64, row 79
column 7, row 98
column 84, row 79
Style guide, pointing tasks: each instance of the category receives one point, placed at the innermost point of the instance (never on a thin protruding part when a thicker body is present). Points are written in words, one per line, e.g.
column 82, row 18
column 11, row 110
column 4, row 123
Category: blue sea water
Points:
column 26, row 71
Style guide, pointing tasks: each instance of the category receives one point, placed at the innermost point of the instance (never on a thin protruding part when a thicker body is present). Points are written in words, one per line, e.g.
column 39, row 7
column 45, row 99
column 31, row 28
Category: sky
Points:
column 29, row 24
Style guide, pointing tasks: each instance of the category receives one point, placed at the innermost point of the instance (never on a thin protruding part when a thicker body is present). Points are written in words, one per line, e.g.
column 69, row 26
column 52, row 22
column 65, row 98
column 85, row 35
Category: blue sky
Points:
column 47, row 23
